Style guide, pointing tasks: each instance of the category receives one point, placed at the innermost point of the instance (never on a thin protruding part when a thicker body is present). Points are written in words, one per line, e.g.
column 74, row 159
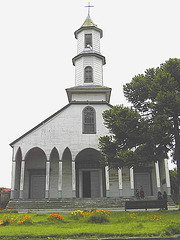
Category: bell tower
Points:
column 88, row 64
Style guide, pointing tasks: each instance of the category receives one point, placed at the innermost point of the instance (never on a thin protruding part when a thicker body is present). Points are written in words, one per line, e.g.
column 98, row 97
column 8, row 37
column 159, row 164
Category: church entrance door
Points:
column 91, row 184
column 38, row 186
column 144, row 180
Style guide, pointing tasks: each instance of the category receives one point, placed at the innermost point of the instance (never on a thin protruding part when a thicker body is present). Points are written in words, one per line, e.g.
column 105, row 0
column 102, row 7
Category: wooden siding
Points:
column 89, row 97
column 95, row 63
column 79, row 73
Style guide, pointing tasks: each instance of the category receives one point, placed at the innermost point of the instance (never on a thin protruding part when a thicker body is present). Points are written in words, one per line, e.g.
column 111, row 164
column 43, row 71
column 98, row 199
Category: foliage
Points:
column 55, row 218
column 152, row 125
column 132, row 137
column 12, row 219
column 174, row 181
column 94, row 216
column 77, row 214
column 157, row 93
column 99, row 216
column 120, row 225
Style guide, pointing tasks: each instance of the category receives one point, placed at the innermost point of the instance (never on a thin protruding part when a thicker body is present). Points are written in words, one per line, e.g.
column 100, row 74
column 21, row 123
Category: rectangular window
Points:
column 88, row 40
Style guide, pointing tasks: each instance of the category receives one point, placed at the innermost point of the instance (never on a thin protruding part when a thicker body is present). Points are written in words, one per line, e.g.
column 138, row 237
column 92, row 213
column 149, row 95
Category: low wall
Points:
column 4, row 199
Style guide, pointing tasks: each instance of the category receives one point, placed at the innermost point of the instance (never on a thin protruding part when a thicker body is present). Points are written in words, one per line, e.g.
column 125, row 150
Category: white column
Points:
column 120, row 182
column 13, row 174
column 168, row 184
column 47, row 179
column 107, row 181
column 60, row 180
column 73, row 180
column 21, row 195
column 157, row 176
column 132, row 181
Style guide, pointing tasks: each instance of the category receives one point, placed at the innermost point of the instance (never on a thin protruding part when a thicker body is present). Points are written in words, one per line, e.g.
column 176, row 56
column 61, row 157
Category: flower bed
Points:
column 12, row 219
column 93, row 216
column 55, row 218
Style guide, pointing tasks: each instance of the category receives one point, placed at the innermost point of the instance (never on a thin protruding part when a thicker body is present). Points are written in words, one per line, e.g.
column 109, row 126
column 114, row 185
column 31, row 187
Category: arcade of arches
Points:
column 35, row 177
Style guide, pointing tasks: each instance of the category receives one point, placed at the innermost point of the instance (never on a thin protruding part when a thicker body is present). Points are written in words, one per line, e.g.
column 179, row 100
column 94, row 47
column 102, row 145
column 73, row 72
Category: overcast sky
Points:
column 37, row 45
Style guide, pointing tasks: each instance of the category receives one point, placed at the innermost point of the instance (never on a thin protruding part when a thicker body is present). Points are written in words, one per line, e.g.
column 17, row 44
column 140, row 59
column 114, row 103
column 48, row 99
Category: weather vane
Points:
column 89, row 6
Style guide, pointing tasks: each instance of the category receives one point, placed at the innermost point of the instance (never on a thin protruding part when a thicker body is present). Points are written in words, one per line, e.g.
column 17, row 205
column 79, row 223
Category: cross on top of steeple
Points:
column 89, row 6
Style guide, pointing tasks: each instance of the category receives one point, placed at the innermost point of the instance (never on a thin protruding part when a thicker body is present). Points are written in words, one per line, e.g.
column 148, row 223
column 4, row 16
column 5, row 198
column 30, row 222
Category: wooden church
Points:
column 59, row 158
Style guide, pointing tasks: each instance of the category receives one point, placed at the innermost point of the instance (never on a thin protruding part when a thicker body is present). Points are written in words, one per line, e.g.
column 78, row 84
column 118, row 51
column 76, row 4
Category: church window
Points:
column 88, row 40
column 89, row 120
column 88, row 74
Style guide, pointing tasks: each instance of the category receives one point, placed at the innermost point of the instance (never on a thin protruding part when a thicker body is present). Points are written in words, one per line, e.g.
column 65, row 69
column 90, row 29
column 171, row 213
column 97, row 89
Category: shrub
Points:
column 20, row 220
column 56, row 218
column 94, row 216
column 99, row 216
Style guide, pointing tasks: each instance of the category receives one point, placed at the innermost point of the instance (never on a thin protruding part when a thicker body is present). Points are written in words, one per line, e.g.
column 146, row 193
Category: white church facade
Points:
column 59, row 158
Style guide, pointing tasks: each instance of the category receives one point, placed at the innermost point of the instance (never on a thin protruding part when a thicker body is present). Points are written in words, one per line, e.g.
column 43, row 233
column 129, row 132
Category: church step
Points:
column 75, row 204
column 67, row 204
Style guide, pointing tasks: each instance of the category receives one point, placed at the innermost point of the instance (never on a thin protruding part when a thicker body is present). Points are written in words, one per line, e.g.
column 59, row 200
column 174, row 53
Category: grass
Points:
column 119, row 224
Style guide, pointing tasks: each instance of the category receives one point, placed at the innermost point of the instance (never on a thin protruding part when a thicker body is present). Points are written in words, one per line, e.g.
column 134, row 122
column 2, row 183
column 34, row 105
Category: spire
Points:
column 88, row 21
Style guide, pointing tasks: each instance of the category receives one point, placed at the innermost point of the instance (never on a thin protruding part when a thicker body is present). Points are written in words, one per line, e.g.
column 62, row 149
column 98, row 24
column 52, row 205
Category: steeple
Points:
column 89, row 63
column 88, row 22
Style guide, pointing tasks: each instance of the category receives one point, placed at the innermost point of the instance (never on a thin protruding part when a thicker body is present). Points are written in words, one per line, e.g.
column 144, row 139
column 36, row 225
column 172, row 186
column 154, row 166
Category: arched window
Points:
column 88, row 74
column 89, row 120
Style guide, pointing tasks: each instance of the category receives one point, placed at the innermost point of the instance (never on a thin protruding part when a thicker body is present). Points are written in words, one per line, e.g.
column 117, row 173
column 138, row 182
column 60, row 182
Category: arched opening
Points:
column 67, row 174
column 35, row 174
column 89, row 120
column 54, row 169
column 88, row 74
column 90, row 174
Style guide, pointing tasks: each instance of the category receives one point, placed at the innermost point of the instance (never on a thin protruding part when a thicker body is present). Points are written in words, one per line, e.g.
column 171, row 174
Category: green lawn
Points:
column 120, row 224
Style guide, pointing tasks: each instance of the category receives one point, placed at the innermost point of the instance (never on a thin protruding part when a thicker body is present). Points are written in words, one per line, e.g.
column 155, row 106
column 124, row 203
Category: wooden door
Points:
column 38, row 183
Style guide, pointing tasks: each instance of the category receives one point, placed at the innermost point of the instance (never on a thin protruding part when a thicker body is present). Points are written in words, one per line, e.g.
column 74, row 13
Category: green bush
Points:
column 98, row 218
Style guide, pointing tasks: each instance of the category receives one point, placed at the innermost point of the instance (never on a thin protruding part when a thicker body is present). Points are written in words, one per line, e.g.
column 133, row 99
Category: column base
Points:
column 168, row 191
column 107, row 193
column 74, row 193
column 59, row 194
column 120, row 193
column 47, row 194
column 132, row 192
column 21, row 195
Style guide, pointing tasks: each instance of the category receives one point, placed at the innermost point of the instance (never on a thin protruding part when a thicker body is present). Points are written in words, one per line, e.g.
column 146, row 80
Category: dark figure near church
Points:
column 137, row 193
column 164, row 195
column 159, row 195
column 141, row 192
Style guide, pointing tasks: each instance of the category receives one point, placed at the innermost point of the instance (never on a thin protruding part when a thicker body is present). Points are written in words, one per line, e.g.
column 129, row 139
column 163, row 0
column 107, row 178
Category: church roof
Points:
column 88, row 23
column 54, row 115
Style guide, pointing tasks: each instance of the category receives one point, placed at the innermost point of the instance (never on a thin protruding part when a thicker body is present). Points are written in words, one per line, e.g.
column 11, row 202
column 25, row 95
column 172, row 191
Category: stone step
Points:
column 67, row 204
column 75, row 204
